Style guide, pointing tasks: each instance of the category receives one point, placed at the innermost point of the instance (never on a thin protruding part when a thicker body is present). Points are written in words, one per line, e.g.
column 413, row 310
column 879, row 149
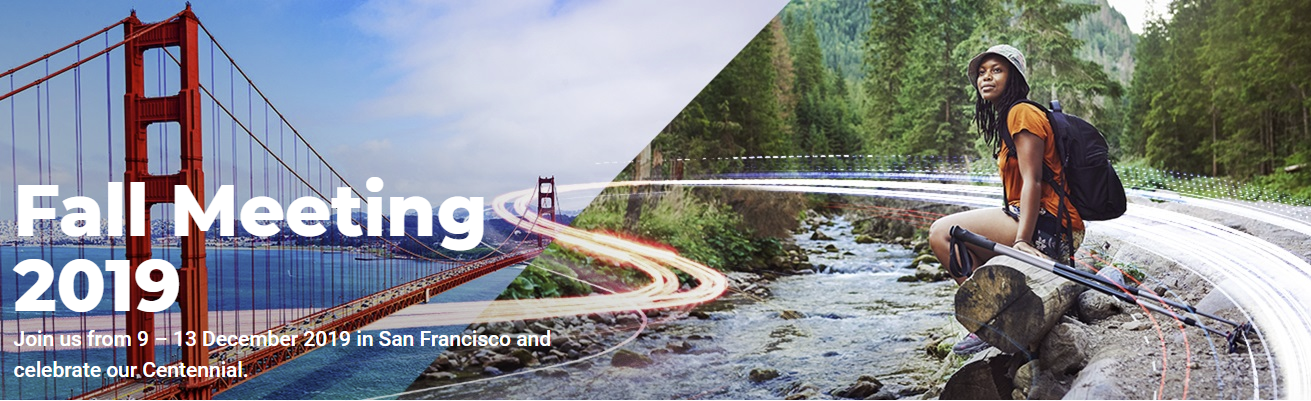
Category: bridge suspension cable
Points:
column 307, row 283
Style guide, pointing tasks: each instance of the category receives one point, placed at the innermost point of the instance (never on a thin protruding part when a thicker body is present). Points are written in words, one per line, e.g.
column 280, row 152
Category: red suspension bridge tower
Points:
column 140, row 111
column 545, row 200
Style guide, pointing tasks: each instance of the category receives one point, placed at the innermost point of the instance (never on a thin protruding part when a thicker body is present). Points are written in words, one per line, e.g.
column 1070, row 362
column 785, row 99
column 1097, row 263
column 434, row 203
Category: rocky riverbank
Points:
column 816, row 324
column 848, row 313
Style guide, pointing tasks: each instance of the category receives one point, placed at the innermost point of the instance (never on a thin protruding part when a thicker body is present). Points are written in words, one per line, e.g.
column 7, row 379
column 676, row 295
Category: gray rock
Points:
column 491, row 371
column 505, row 363
column 791, row 314
column 1137, row 325
column 1094, row 306
column 1023, row 380
column 603, row 317
column 1066, row 348
column 440, row 376
column 1216, row 301
column 525, row 357
column 630, row 359
column 1097, row 381
column 628, row 319
column 820, row 236
column 539, row 328
column 762, row 374
column 559, row 339
column 919, row 246
column 801, row 391
column 830, row 248
column 443, row 363
column 865, row 386
column 922, row 259
column 1113, row 274
column 679, row 347
column 858, row 390
column 930, row 273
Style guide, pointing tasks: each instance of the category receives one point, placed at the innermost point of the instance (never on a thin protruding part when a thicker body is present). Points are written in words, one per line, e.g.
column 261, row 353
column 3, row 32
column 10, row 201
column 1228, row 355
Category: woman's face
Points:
column 993, row 74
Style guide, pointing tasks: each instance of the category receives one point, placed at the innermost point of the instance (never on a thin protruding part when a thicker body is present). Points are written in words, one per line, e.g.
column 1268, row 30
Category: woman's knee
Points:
column 938, row 230
column 940, row 233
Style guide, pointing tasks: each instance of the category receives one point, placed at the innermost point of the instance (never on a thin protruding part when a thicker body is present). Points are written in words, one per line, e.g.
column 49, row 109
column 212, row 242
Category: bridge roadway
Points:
column 346, row 317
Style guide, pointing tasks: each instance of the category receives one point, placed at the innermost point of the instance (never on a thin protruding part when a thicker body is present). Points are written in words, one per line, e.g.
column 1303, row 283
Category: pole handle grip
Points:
column 962, row 234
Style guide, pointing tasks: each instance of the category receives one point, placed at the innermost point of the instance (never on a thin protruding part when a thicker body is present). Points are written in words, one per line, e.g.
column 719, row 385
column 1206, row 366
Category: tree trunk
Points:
column 1011, row 305
column 1215, row 165
column 1292, row 120
column 984, row 379
column 641, row 172
column 1269, row 165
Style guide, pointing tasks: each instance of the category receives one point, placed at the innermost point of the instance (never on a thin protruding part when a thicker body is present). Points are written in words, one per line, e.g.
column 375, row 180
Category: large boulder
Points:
column 506, row 363
column 525, row 357
column 921, row 260
column 1095, row 306
column 1098, row 381
column 762, row 374
column 865, row 386
column 1066, row 348
column 630, row 359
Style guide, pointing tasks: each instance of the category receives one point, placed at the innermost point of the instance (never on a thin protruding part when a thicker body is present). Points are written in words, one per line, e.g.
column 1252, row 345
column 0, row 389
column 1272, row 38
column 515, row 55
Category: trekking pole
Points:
column 1123, row 292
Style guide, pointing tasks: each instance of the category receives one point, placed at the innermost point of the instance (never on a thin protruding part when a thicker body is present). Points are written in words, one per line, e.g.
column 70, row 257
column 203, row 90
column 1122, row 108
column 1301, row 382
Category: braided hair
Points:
column 987, row 116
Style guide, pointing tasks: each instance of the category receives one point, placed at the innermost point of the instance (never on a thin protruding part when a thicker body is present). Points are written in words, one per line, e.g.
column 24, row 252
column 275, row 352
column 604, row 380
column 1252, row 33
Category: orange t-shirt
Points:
column 1027, row 117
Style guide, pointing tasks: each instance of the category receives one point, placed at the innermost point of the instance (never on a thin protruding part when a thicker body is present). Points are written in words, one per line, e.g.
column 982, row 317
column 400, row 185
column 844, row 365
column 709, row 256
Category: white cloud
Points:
column 507, row 91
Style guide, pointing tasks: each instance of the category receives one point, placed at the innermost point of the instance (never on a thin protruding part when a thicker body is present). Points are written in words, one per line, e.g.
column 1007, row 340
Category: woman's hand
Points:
column 1029, row 249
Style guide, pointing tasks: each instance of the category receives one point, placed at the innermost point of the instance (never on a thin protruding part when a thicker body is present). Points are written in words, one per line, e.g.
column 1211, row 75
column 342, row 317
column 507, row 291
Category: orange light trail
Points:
column 658, row 264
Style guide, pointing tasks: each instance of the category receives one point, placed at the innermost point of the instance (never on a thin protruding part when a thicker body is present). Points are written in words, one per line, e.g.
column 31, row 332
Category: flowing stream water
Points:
column 857, row 319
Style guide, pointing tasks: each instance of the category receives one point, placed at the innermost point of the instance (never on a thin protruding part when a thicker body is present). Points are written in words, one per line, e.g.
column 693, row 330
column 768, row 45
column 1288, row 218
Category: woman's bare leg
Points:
column 992, row 223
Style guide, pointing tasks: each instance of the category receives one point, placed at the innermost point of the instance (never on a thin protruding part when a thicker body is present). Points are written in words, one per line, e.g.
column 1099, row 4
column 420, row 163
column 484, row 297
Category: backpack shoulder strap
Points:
column 1005, row 133
column 1006, row 137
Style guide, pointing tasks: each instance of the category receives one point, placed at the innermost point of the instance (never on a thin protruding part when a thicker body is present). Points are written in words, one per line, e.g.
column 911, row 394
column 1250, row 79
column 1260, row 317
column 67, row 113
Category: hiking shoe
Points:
column 970, row 345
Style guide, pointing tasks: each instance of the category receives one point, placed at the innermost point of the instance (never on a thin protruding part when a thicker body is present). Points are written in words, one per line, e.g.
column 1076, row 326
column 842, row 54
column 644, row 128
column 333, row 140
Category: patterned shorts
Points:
column 1049, row 236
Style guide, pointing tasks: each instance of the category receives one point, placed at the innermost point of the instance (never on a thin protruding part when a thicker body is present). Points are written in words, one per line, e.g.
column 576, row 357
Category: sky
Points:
column 447, row 98
column 1138, row 12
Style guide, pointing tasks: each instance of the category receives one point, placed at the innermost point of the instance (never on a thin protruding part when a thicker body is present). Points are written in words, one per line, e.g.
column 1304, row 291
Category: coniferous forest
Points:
column 1220, row 88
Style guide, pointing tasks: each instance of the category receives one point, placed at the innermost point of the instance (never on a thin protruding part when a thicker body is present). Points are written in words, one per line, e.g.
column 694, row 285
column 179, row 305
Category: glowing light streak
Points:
column 1269, row 282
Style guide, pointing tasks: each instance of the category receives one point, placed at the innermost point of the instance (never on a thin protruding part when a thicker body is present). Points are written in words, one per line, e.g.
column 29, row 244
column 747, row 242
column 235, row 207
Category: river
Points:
column 858, row 320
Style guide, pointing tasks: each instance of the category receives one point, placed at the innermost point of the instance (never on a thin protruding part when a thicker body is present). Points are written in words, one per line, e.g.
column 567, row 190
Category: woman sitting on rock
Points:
column 1029, row 220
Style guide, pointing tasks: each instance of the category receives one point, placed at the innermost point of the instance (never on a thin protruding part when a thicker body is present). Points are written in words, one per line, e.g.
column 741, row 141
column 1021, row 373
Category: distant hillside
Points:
column 1107, row 41
column 842, row 25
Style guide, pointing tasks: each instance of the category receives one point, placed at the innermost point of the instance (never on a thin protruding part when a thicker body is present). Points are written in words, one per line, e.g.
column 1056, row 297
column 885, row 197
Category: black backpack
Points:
column 1095, row 189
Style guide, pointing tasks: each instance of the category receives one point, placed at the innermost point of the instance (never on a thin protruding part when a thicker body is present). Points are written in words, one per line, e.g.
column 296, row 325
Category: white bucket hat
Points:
column 1007, row 52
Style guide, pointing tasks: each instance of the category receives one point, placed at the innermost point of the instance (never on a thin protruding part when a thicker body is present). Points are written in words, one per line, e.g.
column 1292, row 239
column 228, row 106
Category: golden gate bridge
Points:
column 174, row 117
